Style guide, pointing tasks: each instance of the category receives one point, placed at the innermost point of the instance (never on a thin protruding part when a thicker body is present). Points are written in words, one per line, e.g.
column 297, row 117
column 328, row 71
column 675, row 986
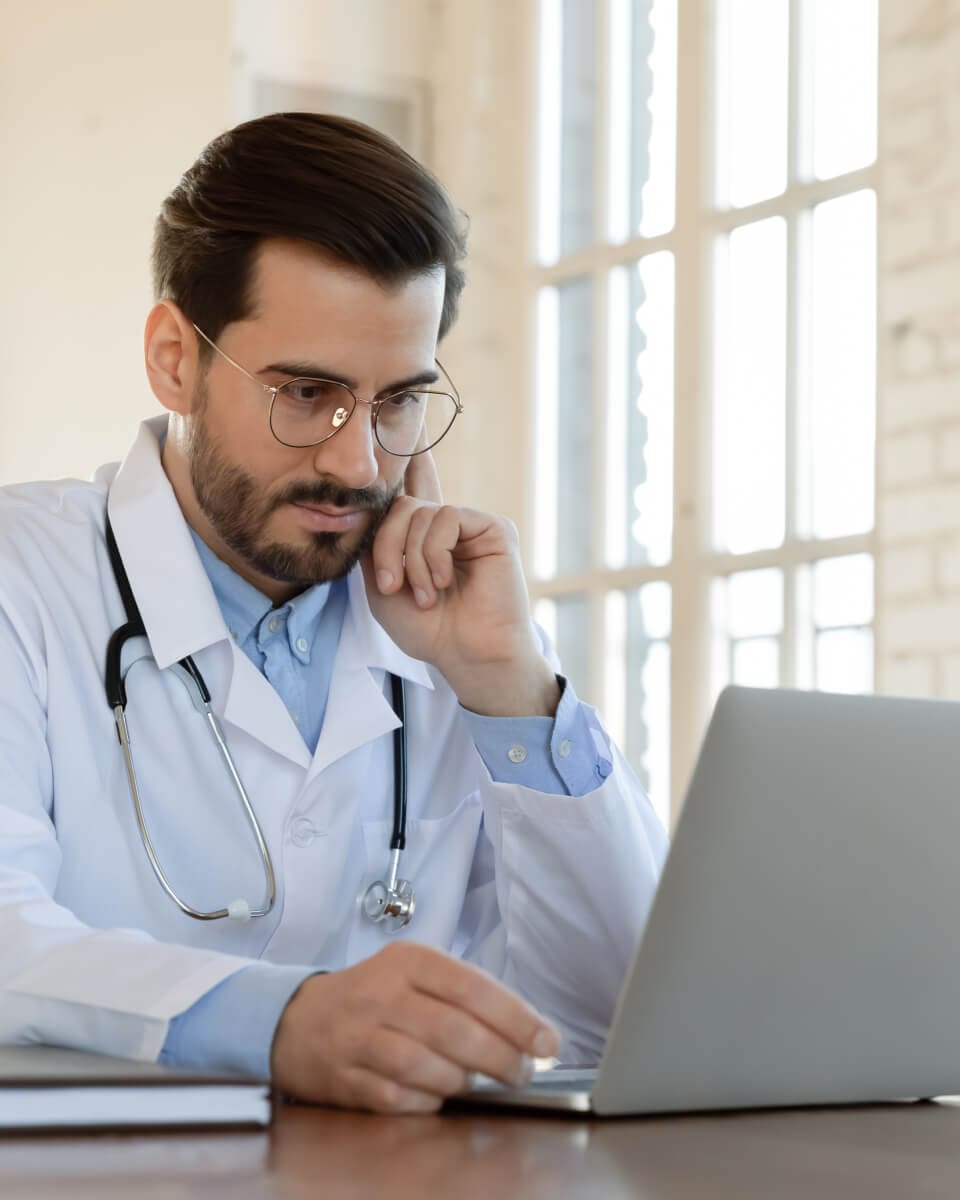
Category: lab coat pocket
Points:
column 437, row 861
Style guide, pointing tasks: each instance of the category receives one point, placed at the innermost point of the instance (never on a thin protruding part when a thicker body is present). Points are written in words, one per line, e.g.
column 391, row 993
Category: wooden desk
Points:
column 911, row 1152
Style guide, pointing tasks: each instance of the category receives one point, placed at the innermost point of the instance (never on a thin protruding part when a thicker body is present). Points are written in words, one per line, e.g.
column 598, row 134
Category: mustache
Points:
column 337, row 496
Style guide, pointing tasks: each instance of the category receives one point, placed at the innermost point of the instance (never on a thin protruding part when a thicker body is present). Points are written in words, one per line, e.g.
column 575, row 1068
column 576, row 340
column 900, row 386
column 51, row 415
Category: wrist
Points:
column 525, row 688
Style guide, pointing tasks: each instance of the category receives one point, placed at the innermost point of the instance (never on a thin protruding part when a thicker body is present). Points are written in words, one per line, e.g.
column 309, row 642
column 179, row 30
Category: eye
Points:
column 404, row 400
column 313, row 392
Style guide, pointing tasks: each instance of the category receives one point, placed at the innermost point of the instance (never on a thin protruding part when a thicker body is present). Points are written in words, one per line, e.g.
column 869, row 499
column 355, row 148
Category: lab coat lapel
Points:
column 254, row 706
column 358, row 710
column 176, row 600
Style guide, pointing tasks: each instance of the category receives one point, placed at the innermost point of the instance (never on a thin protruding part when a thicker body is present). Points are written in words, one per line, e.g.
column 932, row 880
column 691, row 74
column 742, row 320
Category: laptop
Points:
column 804, row 944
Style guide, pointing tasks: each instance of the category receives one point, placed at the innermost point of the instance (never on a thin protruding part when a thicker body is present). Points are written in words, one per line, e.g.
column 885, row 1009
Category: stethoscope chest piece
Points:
column 393, row 907
column 391, row 903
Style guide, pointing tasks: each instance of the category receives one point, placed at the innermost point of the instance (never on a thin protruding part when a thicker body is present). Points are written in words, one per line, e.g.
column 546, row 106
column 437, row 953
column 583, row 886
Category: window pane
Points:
column 845, row 660
column 756, row 663
column 844, row 83
column 842, row 396
column 755, row 602
column 567, row 112
column 747, row 619
column 638, row 685
column 752, row 73
column 843, row 591
column 564, row 428
column 749, row 347
column 640, row 428
column 566, row 620
column 643, row 116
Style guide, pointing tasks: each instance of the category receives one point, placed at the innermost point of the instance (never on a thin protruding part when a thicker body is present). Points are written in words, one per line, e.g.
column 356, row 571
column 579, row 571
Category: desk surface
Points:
column 885, row 1151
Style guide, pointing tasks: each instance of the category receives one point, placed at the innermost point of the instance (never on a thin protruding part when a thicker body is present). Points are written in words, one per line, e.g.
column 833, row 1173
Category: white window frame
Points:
column 695, row 563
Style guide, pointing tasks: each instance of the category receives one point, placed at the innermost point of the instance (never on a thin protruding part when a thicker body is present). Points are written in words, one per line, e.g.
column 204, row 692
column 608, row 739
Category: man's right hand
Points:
column 403, row 1030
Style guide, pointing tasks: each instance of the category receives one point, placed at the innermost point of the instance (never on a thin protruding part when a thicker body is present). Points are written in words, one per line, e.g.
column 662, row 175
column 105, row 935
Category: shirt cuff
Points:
column 566, row 755
column 231, row 1028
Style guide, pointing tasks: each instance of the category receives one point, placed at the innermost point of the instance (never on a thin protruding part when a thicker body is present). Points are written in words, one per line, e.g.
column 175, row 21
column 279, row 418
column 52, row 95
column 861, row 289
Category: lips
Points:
column 324, row 518
column 327, row 509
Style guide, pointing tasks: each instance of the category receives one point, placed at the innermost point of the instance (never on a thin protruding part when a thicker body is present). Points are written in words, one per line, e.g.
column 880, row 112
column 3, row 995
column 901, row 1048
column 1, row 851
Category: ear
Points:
column 171, row 357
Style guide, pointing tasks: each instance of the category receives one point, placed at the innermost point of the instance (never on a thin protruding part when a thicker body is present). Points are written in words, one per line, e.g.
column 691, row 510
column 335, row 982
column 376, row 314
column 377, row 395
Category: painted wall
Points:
column 102, row 106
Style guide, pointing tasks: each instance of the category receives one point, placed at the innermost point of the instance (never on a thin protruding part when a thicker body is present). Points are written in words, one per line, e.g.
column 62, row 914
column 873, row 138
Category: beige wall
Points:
column 918, row 500
column 102, row 105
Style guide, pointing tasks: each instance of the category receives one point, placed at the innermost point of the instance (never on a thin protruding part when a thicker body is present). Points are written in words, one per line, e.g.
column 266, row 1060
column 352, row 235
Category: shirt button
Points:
column 517, row 754
column 303, row 645
column 302, row 831
column 274, row 624
column 564, row 749
column 295, row 716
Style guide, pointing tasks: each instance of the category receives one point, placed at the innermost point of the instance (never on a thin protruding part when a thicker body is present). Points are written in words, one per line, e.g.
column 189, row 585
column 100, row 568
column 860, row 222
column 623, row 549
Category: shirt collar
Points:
column 248, row 612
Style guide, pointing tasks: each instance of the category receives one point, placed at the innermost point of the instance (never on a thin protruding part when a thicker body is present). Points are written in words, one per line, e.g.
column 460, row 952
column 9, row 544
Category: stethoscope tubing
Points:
column 395, row 897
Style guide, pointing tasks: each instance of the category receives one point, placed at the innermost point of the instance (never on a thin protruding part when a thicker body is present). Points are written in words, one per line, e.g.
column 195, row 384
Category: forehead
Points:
column 302, row 292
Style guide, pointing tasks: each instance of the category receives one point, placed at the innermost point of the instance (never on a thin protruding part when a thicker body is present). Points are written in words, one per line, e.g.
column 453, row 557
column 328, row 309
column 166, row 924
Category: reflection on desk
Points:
column 884, row 1151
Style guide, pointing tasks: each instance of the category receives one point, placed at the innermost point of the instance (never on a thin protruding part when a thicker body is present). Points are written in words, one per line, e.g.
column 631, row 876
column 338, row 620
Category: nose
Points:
column 350, row 455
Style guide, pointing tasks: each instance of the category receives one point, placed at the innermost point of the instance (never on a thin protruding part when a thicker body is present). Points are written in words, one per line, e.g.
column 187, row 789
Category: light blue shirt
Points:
column 293, row 646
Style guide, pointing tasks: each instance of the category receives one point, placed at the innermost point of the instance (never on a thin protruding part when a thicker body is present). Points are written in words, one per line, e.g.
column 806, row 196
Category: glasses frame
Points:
column 374, row 405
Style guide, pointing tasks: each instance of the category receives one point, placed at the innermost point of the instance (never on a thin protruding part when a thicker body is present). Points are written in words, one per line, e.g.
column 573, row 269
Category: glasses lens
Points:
column 414, row 421
column 307, row 411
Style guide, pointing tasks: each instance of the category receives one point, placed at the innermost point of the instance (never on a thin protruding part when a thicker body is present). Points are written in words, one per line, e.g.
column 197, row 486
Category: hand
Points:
column 401, row 1031
column 447, row 585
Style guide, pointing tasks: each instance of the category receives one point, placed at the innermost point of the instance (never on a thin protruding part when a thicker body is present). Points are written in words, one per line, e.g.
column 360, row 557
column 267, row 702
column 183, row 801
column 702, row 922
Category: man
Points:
column 283, row 526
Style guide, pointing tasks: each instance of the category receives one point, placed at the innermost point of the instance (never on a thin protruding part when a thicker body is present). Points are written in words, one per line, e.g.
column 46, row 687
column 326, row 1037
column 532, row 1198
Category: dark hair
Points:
column 335, row 183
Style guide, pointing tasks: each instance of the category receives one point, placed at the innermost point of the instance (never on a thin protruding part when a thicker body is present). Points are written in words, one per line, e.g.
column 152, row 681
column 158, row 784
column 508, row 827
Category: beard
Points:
column 238, row 509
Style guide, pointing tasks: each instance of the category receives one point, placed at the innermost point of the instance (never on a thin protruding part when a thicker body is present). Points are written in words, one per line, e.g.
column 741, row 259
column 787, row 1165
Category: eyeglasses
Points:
column 306, row 411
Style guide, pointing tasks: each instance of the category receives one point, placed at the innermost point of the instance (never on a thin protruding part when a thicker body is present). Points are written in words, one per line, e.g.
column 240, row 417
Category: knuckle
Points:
column 384, row 1095
column 404, row 1062
column 464, row 1039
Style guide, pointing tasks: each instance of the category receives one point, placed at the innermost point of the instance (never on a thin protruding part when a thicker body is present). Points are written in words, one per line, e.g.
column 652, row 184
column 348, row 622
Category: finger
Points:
column 389, row 546
column 421, row 478
column 441, row 528
column 475, row 992
column 461, row 1040
column 412, row 1063
column 363, row 1088
column 441, row 540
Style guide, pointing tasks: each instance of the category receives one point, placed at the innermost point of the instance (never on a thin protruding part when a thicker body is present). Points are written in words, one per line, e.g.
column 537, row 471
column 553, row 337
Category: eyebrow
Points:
column 298, row 370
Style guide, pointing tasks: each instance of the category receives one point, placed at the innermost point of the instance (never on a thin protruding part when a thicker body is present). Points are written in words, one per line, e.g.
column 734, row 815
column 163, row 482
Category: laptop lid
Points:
column 804, row 944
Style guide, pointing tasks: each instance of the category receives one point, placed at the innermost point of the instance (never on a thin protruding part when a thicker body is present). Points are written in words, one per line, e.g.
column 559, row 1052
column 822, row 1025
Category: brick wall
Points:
column 918, row 459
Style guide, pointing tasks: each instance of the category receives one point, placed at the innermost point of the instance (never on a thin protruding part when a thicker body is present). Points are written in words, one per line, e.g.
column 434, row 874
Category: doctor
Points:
column 282, row 525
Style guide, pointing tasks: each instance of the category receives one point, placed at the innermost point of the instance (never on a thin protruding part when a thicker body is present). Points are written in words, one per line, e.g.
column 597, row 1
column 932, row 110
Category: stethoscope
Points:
column 391, row 902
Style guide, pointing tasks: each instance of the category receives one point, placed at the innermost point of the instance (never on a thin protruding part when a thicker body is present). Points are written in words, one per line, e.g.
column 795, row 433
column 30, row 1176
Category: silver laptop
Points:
column 804, row 944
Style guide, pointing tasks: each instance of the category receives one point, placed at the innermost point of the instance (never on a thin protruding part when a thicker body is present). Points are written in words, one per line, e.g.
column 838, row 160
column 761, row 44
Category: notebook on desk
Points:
column 802, row 945
column 46, row 1087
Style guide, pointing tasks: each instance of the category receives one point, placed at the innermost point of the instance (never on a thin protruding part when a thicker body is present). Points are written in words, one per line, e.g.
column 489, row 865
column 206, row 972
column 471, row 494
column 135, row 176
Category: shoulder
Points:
column 48, row 513
column 51, row 543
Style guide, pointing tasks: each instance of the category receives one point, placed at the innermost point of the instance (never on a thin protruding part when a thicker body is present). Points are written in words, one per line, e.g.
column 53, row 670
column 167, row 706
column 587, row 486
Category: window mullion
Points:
column 689, row 675
column 600, row 307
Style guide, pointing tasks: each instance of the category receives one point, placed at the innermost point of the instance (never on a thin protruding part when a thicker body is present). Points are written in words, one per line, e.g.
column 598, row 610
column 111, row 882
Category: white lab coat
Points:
column 549, row 893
